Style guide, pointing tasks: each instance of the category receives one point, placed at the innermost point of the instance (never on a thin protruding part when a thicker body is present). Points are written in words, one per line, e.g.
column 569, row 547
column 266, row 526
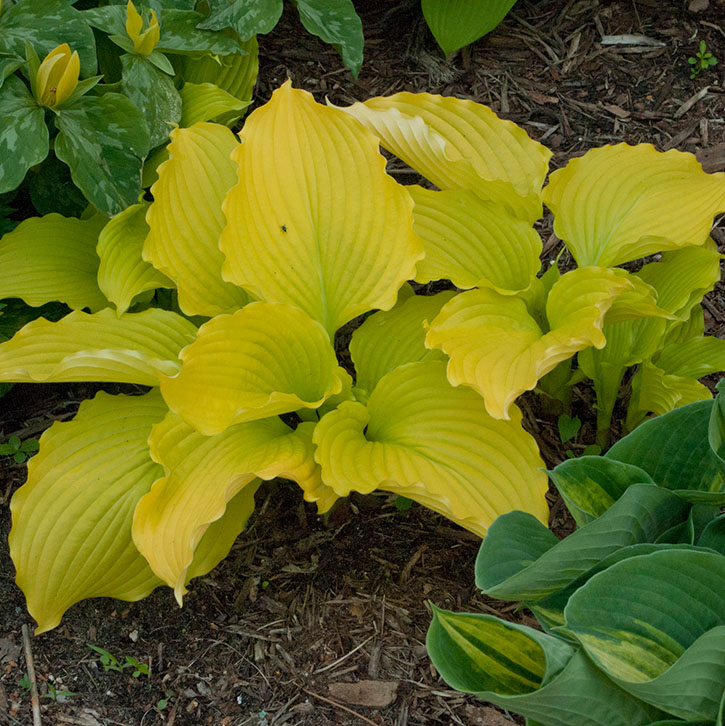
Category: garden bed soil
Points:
column 304, row 605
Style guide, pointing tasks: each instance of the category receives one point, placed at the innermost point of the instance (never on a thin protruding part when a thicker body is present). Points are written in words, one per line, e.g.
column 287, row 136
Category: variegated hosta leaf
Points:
column 71, row 535
column 618, row 203
column 123, row 274
column 52, row 258
column 388, row 339
column 186, row 218
column 424, row 439
column 264, row 360
column 202, row 475
column 496, row 347
column 473, row 243
column 132, row 348
column 316, row 222
column 456, row 143
column 207, row 102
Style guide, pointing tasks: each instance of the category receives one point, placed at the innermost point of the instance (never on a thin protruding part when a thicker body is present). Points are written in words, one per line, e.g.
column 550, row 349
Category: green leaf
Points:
column 206, row 102
column 102, row 140
column 23, row 133
column 716, row 426
column 46, row 24
column 180, row 34
column 52, row 190
column 337, row 23
column 590, row 485
column 8, row 65
column 713, row 536
column 456, row 23
column 246, row 17
column 154, row 93
column 568, row 427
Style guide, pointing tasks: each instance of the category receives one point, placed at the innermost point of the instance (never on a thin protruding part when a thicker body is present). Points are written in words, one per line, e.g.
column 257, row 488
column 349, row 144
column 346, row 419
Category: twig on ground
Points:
column 34, row 700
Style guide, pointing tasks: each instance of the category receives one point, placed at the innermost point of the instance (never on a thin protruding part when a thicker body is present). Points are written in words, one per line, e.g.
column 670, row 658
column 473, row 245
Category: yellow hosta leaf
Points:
column 315, row 221
column 693, row 358
column 202, row 475
column 497, row 348
column 122, row 273
column 619, row 203
column 421, row 438
column 71, row 535
column 457, row 143
column 266, row 359
column 473, row 243
column 206, row 102
column 52, row 258
column 391, row 338
column 132, row 348
column 186, row 218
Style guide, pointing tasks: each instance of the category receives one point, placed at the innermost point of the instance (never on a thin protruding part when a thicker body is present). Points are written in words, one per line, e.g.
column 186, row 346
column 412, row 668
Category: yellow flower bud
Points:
column 143, row 42
column 57, row 76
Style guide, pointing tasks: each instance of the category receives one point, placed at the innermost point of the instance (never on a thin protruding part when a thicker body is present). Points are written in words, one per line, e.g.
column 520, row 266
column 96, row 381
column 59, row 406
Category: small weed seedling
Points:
column 111, row 663
column 19, row 450
column 701, row 61
column 568, row 428
column 55, row 695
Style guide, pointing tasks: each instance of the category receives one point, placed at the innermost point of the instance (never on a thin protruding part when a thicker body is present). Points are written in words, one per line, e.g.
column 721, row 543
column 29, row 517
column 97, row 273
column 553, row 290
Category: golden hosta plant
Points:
column 272, row 245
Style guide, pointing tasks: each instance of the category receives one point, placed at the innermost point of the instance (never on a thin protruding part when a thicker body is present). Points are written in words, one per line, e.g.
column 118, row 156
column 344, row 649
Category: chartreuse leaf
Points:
column 52, row 258
column 388, row 339
column 153, row 91
column 457, row 143
column 472, row 242
column 71, row 535
column 132, row 348
column 207, row 102
column 202, row 475
column 518, row 560
column 457, row 23
column 524, row 670
column 496, row 347
column 337, row 23
column 186, row 219
column 618, row 203
column 247, row 17
column 266, row 359
column 122, row 274
column 674, row 450
column 421, row 438
column 316, row 221
column 589, row 485
column 656, row 625
column 23, row 133
column 102, row 139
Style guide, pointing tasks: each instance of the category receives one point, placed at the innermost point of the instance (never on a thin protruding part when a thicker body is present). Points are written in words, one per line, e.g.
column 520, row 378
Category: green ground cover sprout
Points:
column 701, row 61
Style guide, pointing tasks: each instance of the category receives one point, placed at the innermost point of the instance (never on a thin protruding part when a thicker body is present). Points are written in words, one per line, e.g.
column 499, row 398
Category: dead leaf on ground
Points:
column 373, row 694
column 9, row 650
column 486, row 716
column 697, row 6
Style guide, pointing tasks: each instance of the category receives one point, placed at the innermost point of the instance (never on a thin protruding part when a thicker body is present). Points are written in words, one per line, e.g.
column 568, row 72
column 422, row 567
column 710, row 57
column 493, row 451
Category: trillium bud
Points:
column 143, row 42
column 57, row 76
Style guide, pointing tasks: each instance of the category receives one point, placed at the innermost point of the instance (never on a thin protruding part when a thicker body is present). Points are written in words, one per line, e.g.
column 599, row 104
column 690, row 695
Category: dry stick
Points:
column 31, row 677
column 340, row 706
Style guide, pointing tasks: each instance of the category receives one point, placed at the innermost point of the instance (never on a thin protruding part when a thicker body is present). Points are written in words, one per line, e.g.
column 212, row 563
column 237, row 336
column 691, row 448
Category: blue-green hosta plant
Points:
column 272, row 245
column 632, row 604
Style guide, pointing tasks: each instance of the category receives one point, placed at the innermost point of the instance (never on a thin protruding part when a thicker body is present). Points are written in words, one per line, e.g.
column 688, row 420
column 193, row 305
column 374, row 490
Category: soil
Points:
column 304, row 604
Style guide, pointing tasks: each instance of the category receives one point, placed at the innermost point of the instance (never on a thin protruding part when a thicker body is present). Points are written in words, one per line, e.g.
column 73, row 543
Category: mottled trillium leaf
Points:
column 207, row 102
column 103, row 139
column 246, row 17
column 122, row 274
column 391, row 338
column 618, row 203
column 423, row 439
column 457, row 23
column 52, row 258
column 316, row 221
column 23, row 133
column 132, row 348
column 71, row 535
column 456, row 143
column 8, row 65
column 153, row 91
column 337, row 23
column 202, row 475
column 473, row 243
column 186, row 219
column 264, row 360
column 180, row 33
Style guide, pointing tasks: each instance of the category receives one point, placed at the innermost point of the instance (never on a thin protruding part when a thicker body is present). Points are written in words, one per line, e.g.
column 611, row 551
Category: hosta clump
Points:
column 632, row 604
column 273, row 244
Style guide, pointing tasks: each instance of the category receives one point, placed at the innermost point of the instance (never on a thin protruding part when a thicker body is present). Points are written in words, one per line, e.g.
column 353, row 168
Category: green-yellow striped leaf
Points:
column 207, row 102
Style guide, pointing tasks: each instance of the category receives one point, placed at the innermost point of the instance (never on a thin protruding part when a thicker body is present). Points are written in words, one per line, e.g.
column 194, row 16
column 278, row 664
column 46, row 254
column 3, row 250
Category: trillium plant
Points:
column 275, row 240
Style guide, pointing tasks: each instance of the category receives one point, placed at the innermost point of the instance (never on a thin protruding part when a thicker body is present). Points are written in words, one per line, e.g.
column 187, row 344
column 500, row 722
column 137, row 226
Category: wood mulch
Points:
column 304, row 605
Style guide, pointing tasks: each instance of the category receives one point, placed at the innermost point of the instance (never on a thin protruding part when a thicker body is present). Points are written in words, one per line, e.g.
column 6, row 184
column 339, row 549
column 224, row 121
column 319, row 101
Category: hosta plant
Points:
column 271, row 246
column 632, row 604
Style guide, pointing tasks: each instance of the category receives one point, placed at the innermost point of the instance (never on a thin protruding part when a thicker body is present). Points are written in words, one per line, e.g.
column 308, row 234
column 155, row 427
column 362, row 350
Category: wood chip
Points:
column 697, row 6
column 373, row 694
column 642, row 40
column 713, row 159
column 486, row 716
column 691, row 101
